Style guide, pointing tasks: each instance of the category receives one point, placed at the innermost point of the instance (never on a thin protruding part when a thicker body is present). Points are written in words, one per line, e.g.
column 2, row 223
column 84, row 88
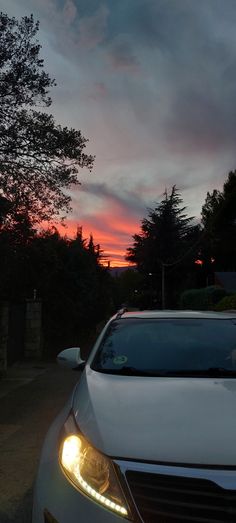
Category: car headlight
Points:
column 91, row 471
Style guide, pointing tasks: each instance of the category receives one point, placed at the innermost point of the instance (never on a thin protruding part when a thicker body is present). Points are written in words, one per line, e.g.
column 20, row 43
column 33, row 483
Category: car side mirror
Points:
column 71, row 359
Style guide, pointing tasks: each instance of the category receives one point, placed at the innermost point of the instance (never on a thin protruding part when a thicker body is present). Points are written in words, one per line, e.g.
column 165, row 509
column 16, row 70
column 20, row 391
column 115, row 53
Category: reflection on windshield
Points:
column 168, row 346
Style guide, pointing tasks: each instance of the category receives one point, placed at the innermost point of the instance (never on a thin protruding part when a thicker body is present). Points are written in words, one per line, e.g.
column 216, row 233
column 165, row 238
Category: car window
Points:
column 168, row 344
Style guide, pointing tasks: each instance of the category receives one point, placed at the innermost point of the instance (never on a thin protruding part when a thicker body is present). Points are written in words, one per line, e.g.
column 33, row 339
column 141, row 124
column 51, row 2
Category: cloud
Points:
column 92, row 28
column 152, row 84
column 125, row 198
column 112, row 231
column 198, row 123
column 113, row 222
column 99, row 90
column 69, row 12
column 122, row 57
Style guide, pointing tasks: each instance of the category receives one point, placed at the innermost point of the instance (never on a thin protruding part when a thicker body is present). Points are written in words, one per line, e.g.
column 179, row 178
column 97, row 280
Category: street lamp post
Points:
column 163, row 300
column 163, row 285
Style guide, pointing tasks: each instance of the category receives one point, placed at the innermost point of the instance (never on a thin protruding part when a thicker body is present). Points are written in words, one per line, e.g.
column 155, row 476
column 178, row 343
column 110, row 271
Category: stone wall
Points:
column 33, row 330
column 4, row 316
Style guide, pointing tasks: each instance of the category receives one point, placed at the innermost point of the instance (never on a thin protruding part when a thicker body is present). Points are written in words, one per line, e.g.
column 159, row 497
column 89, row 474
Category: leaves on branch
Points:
column 164, row 236
column 39, row 160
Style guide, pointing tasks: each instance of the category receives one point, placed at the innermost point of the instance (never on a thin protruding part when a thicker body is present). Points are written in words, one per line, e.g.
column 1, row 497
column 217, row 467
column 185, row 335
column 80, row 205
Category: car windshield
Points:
column 168, row 347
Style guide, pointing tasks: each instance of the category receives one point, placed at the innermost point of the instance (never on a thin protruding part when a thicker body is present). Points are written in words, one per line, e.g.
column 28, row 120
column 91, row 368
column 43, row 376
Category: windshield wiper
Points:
column 131, row 371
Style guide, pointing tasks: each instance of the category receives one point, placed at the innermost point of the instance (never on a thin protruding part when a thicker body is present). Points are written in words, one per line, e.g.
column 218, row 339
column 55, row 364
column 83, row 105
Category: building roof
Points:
column 227, row 280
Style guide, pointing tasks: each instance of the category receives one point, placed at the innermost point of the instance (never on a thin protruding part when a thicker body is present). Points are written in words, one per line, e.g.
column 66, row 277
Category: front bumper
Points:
column 56, row 500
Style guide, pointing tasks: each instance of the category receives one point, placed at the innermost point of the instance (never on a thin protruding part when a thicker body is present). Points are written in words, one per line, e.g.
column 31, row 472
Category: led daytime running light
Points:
column 102, row 499
column 70, row 460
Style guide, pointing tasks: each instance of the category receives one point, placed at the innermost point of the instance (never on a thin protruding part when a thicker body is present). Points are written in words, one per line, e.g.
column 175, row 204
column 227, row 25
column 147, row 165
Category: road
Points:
column 30, row 398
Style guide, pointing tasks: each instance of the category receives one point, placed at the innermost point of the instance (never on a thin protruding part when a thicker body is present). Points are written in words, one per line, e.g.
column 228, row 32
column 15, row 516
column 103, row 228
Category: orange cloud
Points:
column 113, row 233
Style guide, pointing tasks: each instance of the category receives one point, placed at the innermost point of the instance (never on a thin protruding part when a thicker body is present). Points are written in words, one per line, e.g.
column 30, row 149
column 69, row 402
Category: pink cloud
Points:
column 111, row 229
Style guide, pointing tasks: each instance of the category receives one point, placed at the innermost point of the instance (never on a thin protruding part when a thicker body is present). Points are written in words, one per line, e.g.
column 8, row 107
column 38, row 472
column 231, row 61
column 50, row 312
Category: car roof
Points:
column 159, row 314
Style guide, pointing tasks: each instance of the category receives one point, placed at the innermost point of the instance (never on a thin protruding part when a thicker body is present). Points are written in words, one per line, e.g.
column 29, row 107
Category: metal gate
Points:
column 16, row 332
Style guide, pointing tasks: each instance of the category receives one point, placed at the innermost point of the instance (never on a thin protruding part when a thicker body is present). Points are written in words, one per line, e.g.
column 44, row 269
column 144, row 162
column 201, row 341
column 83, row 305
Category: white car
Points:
column 149, row 434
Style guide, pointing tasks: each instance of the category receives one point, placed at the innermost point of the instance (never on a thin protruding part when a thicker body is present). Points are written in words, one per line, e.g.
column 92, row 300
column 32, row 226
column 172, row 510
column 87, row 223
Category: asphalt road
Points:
column 30, row 398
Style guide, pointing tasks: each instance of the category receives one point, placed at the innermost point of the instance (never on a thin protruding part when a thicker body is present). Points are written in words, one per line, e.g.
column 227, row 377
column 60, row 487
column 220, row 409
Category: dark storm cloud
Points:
column 197, row 63
column 198, row 122
column 183, row 54
column 152, row 84
column 124, row 198
column 193, row 66
column 122, row 56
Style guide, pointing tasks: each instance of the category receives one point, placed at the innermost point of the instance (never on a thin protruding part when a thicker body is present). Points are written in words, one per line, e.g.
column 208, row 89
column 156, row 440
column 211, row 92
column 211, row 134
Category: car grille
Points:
column 173, row 499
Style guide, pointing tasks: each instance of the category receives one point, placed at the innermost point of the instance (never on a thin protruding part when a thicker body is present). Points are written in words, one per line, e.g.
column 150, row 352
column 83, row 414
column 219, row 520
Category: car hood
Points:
column 176, row 420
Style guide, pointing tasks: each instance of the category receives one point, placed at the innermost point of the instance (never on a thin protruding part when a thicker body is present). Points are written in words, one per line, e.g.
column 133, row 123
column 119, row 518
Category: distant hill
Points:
column 116, row 271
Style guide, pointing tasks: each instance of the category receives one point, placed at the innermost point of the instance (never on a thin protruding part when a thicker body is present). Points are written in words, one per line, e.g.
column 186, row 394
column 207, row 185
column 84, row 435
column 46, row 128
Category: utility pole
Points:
column 163, row 285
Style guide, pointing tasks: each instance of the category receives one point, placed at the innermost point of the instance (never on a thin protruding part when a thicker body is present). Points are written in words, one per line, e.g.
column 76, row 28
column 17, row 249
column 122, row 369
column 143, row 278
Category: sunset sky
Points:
column 152, row 84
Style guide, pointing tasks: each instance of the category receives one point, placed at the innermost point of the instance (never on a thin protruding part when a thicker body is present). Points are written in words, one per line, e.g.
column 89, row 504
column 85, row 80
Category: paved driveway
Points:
column 30, row 398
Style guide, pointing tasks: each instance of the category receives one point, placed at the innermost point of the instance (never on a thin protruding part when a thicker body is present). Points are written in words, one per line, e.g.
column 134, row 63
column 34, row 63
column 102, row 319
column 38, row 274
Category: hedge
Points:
column 202, row 299
column 227, row 303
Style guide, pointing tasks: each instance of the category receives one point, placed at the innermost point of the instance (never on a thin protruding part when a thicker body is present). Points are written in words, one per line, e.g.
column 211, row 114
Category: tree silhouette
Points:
column 219, row 222
column 164, row 241
column 39, row 160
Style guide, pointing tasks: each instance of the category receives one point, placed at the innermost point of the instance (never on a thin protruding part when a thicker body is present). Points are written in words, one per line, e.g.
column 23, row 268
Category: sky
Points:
column 152, row 85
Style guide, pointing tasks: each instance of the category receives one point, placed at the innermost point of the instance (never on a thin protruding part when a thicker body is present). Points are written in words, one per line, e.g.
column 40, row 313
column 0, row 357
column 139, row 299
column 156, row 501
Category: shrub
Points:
column 226, row 303
column 193, row 299
column 215, row 294
column 201, row 299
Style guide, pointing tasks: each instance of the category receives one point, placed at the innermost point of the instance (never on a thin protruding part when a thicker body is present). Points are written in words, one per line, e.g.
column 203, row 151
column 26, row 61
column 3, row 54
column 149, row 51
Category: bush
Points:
column 227, row 303
column 201, row 299
column 193, row 299
column 215, row 294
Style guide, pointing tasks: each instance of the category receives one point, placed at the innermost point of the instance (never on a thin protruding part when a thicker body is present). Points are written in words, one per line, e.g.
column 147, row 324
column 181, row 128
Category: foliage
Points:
column 201, row 299
column 219, row 221
column 193, row 299
column 39, row 160
column 163, row 234
column 170, row 244
column 167, row 238
column 67, row 276
column 125, row 287
column 227, row 303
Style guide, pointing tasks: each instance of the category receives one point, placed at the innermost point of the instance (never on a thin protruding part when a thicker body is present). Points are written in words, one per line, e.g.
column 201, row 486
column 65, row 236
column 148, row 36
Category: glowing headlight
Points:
column 91, row 471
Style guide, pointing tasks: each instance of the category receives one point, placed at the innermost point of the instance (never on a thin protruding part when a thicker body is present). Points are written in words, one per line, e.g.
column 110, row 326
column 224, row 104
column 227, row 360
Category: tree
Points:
column 219, row 221
column 39, row 160
column 4, row 210
column 164, row 234
column 68, row 277
column 165, row 239
column 211, row 208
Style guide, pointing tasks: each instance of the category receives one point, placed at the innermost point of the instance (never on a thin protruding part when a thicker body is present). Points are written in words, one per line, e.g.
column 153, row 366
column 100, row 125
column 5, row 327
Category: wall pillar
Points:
column 4, row 320
column 33, row 330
